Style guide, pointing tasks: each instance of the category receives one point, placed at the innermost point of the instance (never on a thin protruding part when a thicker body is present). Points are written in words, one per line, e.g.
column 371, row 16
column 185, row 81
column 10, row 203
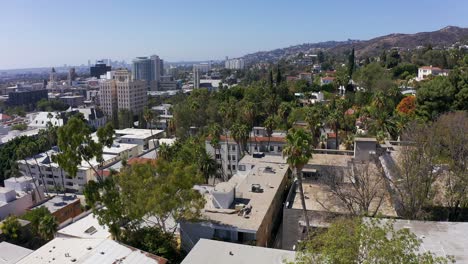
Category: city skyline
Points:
column 44, row 34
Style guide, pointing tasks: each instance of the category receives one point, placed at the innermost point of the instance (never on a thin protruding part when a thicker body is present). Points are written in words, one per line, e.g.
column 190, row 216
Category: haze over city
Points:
column 51, row 33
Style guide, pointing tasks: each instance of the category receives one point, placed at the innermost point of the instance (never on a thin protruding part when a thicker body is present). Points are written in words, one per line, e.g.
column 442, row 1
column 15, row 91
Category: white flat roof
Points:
column 269, row 175
column 211, row 251
column 441, row 238
column 86, row 227
column 90, row 251
column 10, row 253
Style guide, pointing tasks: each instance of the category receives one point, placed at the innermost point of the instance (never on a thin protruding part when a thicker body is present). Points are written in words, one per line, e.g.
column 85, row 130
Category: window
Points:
column 272, row 148
column 233, row 147
column 233, row 167
column 279, row 148
column 218, row 156
column 242, row 167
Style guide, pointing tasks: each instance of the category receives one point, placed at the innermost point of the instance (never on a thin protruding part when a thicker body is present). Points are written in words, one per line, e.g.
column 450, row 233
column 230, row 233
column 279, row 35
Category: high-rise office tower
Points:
column 196, row 77
column 71, row 76
column 99, row 69
column 148, row 69
column 119, row 91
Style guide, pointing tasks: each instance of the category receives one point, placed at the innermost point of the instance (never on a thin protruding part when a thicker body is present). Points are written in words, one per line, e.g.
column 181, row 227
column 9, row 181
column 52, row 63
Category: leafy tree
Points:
column 407, row 105
column 125, row 118
column 415, row 174
column 452, row 141
column 47, row 227
column 35, row 216
column 11, row 228
column 298, row 151
column 434, row 97
column 155, row 241
column 76, row 144
column 365, row 241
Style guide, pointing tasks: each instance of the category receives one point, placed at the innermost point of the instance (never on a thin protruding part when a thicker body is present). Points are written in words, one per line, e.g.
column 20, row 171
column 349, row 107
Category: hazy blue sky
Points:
column 37, row 33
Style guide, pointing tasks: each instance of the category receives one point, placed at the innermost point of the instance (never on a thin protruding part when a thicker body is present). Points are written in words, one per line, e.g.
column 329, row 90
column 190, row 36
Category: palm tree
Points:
column 270, row 123
column 206, row 165
column 47, row 227
column 284, row 110
column 240, row 133
column 215, row 134
column 298, row 151
column 228, row 112
column 249, row 114
column 314, row 117
column 22, row 152
column 165, row 151
column 34, row 148
column 149, row 117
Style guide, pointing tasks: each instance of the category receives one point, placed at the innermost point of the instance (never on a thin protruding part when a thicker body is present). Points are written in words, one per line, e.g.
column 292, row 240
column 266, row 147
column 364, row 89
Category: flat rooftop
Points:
column 206, row 251
column 10, row 253
column 329, row 160
column 320, row 198
column 136, row 133
column 86, row 227
column 83, row 250
column 58, row 202
column 270, row 180
column 441, row 238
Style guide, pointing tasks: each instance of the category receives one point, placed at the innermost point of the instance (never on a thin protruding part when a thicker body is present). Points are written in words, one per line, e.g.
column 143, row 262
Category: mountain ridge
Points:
column 373, row 47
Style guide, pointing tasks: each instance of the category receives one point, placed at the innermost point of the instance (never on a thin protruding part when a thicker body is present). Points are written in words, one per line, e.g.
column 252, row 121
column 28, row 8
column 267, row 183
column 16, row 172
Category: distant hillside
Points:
column 440, row 38
column 274, row 55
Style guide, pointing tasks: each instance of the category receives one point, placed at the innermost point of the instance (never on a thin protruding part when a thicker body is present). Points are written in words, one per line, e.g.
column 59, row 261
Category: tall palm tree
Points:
column 298, row 151
column 314, row 116
column 249, row 114
column 228, row 112
column 215, row 134
column 22, row 152
column 240, row 133
column 270, row 124
column 34, row 148
column 149, row 117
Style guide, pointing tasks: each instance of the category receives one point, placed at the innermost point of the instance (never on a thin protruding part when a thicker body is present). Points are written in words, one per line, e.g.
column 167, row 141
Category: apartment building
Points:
column 229, row 154
column 119, row 91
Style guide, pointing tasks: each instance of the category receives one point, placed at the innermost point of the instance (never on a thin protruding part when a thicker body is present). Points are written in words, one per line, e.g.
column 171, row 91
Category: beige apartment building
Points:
column 119, row 91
